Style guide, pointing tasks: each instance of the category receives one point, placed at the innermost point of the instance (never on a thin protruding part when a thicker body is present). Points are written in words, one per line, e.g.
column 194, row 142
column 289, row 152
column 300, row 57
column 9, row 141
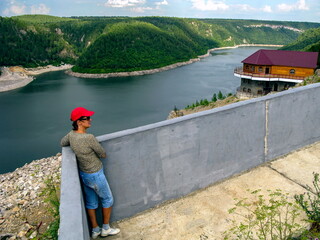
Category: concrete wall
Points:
column 293, row 120
column 73, row 219
column 166, row 160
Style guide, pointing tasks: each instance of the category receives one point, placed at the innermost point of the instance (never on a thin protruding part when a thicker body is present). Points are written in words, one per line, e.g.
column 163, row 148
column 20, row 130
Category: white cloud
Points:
column 267, row 9
column 40, row 9
column 123, row 3
column 164, row 2
column 245, row 7
column 15, row 10
column 209, row 5
column 249, row 8
column 300, row 5
column 285, row 7
column 140, row 9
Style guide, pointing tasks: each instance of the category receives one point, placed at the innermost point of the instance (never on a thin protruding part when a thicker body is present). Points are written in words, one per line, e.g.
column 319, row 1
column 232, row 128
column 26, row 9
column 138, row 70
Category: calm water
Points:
column 35, row 117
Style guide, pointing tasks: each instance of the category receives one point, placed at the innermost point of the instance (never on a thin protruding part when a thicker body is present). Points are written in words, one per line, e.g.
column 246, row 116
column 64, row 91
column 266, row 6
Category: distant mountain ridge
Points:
column 115, row 44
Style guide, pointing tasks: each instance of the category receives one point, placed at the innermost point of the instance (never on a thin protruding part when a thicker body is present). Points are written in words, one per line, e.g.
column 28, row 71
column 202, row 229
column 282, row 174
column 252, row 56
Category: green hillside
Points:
column 31, row 45
column 139, row 45
column 308, row 41
column 113, row 44
column 38, row 18
column 235, row 32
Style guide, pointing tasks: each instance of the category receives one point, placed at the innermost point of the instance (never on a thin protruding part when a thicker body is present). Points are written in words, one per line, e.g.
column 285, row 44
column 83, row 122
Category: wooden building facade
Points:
column 274, row 70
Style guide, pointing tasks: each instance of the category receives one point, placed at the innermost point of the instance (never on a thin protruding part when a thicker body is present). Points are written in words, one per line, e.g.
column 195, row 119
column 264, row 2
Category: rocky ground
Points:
column 16, row 77
column 182, row 112
column 12, row 78
column 24, row 212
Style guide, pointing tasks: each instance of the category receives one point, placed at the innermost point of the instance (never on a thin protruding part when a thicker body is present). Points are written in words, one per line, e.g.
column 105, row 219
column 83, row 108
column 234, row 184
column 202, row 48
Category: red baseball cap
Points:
column 80, row 112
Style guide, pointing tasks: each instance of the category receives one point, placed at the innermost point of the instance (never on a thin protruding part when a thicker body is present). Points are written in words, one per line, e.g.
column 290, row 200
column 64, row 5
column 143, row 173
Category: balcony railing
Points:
column 240, row 71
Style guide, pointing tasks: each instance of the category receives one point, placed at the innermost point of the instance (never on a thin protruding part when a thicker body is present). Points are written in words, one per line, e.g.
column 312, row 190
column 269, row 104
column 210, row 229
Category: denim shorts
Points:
column 96, row 186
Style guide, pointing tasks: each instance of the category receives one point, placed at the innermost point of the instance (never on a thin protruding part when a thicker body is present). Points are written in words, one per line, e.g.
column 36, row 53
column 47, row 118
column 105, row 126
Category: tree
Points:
column 214, row 98
column 221, row 96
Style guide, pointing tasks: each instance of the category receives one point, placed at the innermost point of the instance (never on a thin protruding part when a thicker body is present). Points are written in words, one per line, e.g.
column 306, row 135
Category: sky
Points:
column 284, row 10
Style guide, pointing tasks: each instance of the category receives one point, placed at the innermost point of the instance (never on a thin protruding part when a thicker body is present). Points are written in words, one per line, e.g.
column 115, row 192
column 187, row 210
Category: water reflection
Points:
column 219, row 53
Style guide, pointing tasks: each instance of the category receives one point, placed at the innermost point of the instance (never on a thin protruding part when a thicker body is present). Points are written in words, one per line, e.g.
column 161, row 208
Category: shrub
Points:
column 52, row 196
column 205, row 102
column 264, row 219
column 311, row 206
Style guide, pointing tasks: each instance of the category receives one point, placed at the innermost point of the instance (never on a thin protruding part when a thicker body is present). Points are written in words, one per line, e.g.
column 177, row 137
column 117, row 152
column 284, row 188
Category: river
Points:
column 35, row 117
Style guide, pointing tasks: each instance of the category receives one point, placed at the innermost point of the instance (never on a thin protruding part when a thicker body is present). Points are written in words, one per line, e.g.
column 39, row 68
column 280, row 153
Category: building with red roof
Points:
column 275, row 70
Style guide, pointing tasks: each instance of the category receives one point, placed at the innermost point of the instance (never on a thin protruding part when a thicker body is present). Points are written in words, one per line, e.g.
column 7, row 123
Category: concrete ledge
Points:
column 73, row 219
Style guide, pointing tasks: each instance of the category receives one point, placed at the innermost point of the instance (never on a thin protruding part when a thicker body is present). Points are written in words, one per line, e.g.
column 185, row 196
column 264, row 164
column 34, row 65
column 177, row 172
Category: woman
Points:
column 88, row 152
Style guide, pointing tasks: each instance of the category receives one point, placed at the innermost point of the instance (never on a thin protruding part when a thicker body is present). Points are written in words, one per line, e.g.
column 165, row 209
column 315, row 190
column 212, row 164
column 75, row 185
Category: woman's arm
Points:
column 65, row 141
column 97, row 148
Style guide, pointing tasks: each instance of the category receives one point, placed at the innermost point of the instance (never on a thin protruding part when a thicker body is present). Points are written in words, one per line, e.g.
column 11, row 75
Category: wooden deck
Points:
column 240, row 71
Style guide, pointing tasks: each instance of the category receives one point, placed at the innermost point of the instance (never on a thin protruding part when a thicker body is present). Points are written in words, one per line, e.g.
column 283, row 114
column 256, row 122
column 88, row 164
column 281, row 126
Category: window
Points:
column 292, row 71
column 249, row 90
column 244, row 89
column 247, row 67
column 252, row 68
column 260, row 69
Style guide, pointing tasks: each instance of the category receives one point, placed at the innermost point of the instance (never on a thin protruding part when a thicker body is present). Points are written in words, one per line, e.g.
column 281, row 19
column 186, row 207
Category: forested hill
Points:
column 308, row 41
column 113, row 44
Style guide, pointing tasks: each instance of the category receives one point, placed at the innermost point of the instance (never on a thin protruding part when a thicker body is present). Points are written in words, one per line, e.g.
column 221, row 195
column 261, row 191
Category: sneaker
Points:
column 109, row 232
column 95, row 234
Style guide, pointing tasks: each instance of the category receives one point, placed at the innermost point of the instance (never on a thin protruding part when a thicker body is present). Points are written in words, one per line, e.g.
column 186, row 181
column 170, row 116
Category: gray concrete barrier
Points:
column 293, row 120
column 73, row 218
column 149, row 165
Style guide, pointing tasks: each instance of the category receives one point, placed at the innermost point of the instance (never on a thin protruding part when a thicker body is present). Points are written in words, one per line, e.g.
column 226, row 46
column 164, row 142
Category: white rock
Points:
column 33, row 235
column 21, row 234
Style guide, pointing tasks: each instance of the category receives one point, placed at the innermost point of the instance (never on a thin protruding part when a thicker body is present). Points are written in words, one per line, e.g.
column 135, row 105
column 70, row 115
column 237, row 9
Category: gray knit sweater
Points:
column 87, row 149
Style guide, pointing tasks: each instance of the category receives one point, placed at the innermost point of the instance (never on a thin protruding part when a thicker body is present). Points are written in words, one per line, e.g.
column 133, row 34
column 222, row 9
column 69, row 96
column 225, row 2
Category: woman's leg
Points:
column 106, row 212
column 106, row 198
column 92, row 217
column 91, row 198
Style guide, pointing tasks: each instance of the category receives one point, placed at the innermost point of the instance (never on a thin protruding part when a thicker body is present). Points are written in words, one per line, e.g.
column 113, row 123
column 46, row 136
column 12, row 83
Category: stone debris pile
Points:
column 12, row 78
column 23, row 211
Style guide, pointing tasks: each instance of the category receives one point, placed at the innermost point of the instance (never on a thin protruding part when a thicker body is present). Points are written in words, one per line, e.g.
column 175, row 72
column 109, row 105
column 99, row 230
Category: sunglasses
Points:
column 85, row 118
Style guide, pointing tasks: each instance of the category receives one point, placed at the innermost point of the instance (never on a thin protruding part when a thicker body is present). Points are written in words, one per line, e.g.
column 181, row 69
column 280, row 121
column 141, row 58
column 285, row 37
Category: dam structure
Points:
column 149, row 165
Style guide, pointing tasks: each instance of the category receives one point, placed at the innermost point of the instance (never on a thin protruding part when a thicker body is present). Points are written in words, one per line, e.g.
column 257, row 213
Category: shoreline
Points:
column 128, row 74
column 17, row 77
column 48, row 68
column 156, row 70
